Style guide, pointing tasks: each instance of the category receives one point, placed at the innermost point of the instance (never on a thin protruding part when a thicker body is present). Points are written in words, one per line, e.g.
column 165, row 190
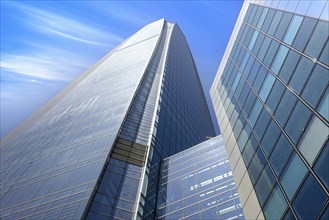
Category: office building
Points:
column 197, row 183
column 93, row 151
column 270, row 96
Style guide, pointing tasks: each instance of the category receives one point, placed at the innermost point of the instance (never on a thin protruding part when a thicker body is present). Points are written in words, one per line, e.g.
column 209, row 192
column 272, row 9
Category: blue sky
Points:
column 47, row 44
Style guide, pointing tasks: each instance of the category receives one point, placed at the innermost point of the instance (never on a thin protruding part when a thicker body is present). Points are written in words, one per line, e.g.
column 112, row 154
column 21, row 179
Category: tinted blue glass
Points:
column 323, row 107
column 249, row 102
column 293, row 175
column 264, row 185
column 267, row 85
column 256, row 165
column 301, row 74
column 318, row 39
column 275, row 22
column 271, row 136
column 275, row 205
column 310, row 199
column 255, row 112
column 324, row 58
column 316, row 85
column 262, row 18
column 297, row 121
column 304, row 33
column 262, row 123
column 285, row 107
column 249, row 150
column 253, row 40
column 268, row 19
column 258, row 43
column 279, row 59
column 280, row 154
column 264, row 47
column 292, row 29
column 321, row 166
column 253, row 72
column 289, row 66
column 283, row 25
column 271, row 53
column 260, row 78
column 275, row 95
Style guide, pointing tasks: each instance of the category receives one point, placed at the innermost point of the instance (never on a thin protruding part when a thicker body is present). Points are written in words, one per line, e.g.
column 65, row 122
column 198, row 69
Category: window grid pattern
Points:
column 261, row 104
column 198, row 184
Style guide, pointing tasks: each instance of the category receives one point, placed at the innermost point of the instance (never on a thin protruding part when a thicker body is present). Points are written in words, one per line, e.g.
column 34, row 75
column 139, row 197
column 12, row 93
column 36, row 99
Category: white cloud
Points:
column 50, row 23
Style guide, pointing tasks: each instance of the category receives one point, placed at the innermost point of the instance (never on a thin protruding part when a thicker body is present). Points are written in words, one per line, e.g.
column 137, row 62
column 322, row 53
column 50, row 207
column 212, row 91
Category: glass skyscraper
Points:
column 94, row 150
column 197, row 183
column 271, row 100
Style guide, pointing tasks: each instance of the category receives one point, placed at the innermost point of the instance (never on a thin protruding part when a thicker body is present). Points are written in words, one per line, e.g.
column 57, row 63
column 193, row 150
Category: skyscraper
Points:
column 197, row 183
column 271, row 100
column 93, row 151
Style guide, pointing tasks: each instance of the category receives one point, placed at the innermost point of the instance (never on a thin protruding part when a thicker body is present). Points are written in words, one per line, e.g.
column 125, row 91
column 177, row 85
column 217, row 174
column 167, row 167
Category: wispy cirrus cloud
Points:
column 66, row 27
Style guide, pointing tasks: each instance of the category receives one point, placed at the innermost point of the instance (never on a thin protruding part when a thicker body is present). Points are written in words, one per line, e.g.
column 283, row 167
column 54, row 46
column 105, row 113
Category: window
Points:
column 271, row 136
column 257, row 15
column 289, row 66
column 256, row 165
column 276, row 205
column 253, row 40
column 318, row 39
column 255, row 112
column 244, row 94
column 236, row 80
column 304, row 33
column 285, row 107
column 262, row 123
column 292, row 29
column 262, row 18
column 275, row 22
column 260, row 78
column 323, row 108
column 271, row 53
column 258, row 43
column 243, row 138
column 253, row 72
column 279, row 59
column 268, row 20
column 283, row 25
column 249, row 102
column 321, row 167
column 280, row 154
column 314, row 136
column 310, row 199
column 297, row 121
column 275, row 95
column 293, row 175
column 301, row 74
column 316, row 85
column 267, row 85
column 249, row 150
column 264, row 47
column 249, row 65
column 244, row 61
column 264, row 185
column 324, row 58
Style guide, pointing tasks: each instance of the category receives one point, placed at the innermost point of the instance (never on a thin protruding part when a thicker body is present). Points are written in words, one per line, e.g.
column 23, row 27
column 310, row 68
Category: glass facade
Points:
column 286, row 86
column 198, row 184
column 87, row 152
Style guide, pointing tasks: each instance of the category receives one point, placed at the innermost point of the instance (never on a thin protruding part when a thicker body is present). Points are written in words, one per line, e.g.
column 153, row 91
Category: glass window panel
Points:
column 292, row 29
column 279, row 59
column 249, row 66
column 301, row 74
column 275, row 205
column 268, row 20
column 253, row 40
column 293, row 175
column 262, row 17
column 264, row 47
column 255, row 112
column 243, row 138
column 253, row 72
column 248, row 36
column 310, row 199
column 285, row 107
column 244, row 93
column 321, row 167
column 264, row 185
column 244, row 61
column 275, row 22
column 249, row 150
column 271, row 53
column 258, row 43
column 324, row 58
column 236, row 80
column 267, row 85
column 280, row 154
column 289, row 66
column 304, row 33
column 318, row 39
column 252, row 13
column 262, row 123
column 297, row 121
column 314, row 136
column 246, row 18
column 271, row 136
column 316, row 85
column 249, row 102
column 256, row 165
column 323, row 108
column 260, row 78
column 283, row 25
column 257, row 15
column 275, row 95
